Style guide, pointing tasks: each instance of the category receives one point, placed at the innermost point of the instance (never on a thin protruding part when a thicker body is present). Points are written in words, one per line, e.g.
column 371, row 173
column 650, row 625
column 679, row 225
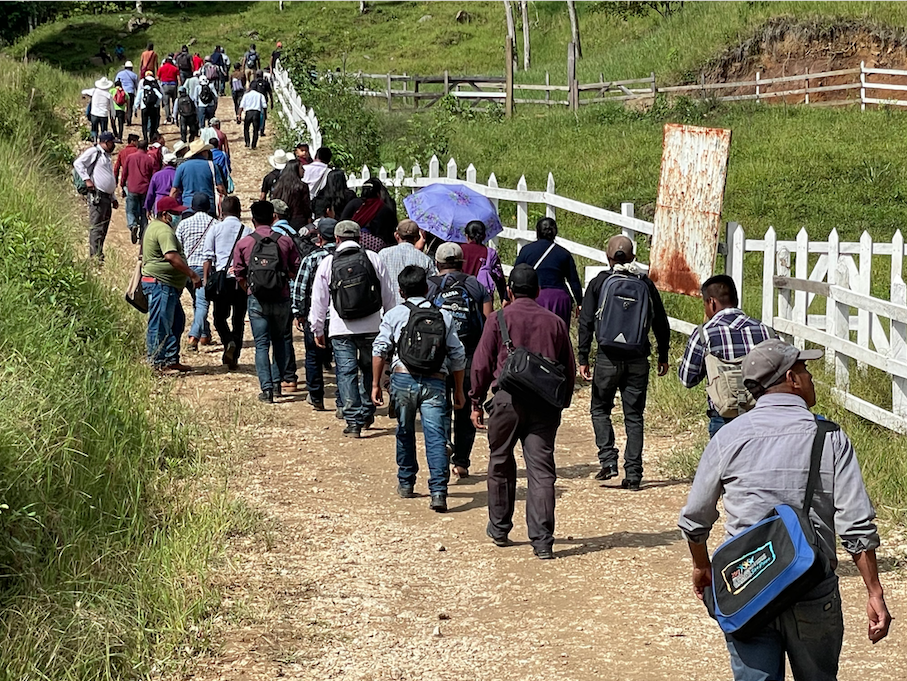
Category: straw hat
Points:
column 197, row 147
column 103, row 83
column 178, row 147
column 280, row 159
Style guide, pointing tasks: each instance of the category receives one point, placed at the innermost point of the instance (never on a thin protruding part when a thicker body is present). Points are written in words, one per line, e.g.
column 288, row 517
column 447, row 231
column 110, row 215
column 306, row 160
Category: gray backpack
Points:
column 725, row 388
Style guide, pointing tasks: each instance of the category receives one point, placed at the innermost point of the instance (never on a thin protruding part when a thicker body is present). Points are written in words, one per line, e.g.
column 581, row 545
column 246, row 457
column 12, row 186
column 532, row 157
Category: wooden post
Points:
column 524, row 11
column 898, row 330
column 862, row 86
column 415, row 92
column 757, row 87
column 862, row 285
column 550, row 189
column 801, row 271
column 834, row 252
column 547, row 91
column 571, row 77
column 654, row 89
column 736, row 243
column 446, row 82
column 389, row 103
column 785, row 296
column 404, row 89
column 840, row 328
column 508, row 78
column 807, row 86
column 768, row 274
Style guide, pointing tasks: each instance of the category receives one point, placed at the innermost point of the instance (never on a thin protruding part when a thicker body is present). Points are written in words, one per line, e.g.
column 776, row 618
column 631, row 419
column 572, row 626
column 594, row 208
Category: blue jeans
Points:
column 353, row 357
column 716, row 423
column 166, row 322
column 264, row 119
column 810, row 632
column 205, row 113
column 427, row 396
column 201, row 327
column 135, row 211
column 268, row 321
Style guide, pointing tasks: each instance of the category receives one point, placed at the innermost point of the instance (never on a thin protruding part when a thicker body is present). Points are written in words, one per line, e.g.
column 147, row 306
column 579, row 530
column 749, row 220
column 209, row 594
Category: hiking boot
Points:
column 134, row 234
column 176, row 366
column 607, row 472
column 500, row 542
column 352, row 430
column 632, row 485
column 229, row 355
column 289, row 386
column 406, row 492
column 317, row 405
column 193, row 343
column 338, row 413
column 438, row 502
column 544, row 553
column 266, row 396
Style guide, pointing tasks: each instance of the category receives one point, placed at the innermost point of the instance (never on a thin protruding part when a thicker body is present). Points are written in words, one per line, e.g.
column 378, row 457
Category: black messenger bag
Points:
column 529, row 376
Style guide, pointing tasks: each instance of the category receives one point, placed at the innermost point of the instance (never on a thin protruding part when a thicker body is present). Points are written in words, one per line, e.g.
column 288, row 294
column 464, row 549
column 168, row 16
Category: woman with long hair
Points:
column 482, row 261
column 290, row 189
column 376, row 213
column 334, row 196
column 556, row 270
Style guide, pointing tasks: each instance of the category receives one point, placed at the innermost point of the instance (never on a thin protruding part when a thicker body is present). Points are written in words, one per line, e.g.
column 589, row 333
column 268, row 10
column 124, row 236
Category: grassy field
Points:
column 109, row 511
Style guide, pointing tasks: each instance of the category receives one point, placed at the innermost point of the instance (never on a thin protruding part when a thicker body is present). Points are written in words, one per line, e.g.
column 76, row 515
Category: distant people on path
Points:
column 191, row 233
column 290, row 189
column 469, row 304
column 276, row 54
column 376, row 212
column 168, row 75
column 95, row 169
column 130, row 81
column 728, row 334
column 513, row 418
column 148, row 101
column 197, row 61
column 100, row 108
column 334, row 197
column 124, row 154
column 352, row 286
column 482, row 261
column 760, row 460
column 186, row 115
column 620, row 307
column 278, row 162
column 148, row 61
column 164, row 276
column 420, row 342
column 137, row 173
column 198, row 174
column 251, row 62
column 316, row 172
column 263, row 86
column 250, row 107
column 237, row 88
column 230, row 302
column 206, row 101
column 183, row 61
column 404, row 254
column 223, row 142
column 264, row 264
column 120, row 100
column 556, row 268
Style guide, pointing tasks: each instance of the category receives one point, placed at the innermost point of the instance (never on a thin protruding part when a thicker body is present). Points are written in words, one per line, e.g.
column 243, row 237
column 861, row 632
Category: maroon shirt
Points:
column 473, row 255
column 532, row 327
column 137, row 172
column 243, row 252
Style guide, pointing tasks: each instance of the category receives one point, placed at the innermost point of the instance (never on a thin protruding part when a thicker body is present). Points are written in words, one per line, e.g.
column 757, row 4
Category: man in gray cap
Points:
column 405, row 253
column 759, row 460
column 351, row 288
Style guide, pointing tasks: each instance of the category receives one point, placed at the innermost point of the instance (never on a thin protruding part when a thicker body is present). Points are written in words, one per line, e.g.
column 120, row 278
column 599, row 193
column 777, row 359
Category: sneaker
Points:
column 266, row 396
column 632, row 485
column 544, row 554
column 338, row 413
column 317, row 405
column 438, row 502
column 229, row 355
column 354, row 431
column 193, row 343
column 502, row 543
column 607, row 472
column 406, row 492
column 134, row 234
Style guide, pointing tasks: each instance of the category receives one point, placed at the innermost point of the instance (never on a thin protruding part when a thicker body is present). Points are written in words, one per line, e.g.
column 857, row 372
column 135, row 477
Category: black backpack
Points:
column 423, row 342
column 304, row 246
column 355, row 287
column 454, row 297
column 267, row 273
column 624, row 313
column 186, row 107
column 150, row 98
column 206, row 95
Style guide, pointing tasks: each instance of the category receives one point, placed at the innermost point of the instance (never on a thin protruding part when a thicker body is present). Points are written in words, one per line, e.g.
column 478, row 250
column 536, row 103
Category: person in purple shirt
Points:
column 513, row 419
column 161, row 183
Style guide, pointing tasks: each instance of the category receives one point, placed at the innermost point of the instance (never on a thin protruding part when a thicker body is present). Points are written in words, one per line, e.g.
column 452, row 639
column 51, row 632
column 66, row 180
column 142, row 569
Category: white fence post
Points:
column 736, row 242
column 452, row 169
column 862, row 285
column 757, row 87
column 522, row 208
column 801, row 264
column 434, row 168
column 366, row 173
column 768, row 274
column 834, row 248
column 493, row 184
column 471, row 173
column 549, row 188
column 862, row 86
column 629, row 210
column 898, row 349
column 785, row 295
column 840, row 328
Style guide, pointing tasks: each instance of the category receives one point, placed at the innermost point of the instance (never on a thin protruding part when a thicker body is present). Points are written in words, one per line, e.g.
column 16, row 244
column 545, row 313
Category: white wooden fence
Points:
column 292, row 110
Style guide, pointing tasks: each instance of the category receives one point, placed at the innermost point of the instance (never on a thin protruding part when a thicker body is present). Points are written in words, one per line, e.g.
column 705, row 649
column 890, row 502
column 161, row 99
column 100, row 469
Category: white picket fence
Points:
column 292, row 110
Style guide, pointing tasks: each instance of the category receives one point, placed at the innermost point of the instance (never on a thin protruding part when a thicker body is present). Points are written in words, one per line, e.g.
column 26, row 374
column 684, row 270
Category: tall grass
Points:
column 100, row 563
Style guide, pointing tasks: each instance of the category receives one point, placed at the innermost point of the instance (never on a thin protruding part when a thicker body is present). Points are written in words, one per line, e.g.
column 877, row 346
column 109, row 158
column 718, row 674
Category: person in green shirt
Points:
column 164, row 276
column 118, row 115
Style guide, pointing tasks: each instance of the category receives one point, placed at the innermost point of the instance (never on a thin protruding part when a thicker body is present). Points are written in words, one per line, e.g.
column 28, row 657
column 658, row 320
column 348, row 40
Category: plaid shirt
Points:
column 396, row 258
column 190, row 232
column 730, row 333
column 301, row 287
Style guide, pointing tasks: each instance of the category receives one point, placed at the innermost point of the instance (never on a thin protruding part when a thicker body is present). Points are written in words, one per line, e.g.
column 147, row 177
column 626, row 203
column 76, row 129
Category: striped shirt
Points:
column 191, row 232
column 301, row 287
column 402, row 255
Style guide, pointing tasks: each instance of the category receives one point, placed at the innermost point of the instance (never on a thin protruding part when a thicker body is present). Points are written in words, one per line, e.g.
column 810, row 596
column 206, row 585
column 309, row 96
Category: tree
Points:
column 511, row 30
column 524, row 11
column 574, row 27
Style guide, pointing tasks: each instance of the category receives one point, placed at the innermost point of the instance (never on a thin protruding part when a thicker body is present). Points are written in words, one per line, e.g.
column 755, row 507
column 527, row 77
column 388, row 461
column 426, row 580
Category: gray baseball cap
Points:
column 449, row 252
column 280, row 207
column 767, row 363
column 347, row 229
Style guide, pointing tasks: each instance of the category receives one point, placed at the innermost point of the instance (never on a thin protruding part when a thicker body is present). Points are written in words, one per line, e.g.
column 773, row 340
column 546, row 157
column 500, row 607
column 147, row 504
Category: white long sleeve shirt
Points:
column 102, row 172
column 101, row 101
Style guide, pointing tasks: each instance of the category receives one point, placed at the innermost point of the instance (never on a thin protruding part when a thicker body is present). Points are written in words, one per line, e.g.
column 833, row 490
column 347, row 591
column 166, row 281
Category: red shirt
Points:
column 168, row 73
column 473, row 255
column 125, row 153
column 137, row 172
column 197, row 62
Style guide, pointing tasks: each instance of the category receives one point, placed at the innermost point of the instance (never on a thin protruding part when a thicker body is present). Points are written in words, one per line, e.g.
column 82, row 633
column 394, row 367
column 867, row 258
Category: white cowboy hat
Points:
column 103, row 83
column 280, row 159
column 169, row 158
column 178, row 147
column 197, row 147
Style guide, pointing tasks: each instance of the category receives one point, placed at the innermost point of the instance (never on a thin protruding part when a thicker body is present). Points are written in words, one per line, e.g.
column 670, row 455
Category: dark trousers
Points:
column 289, row 372
column 100, row 208
column 130, row 105
column 231, row 304
column 188, row 128
column 535, row 428
column 315, row 360
column 151, row 121
column 631, row 377
column 118, row 123
column 237, row 95
column 460, row 431
column 253, row 119
column 98, row 125
column 716, row 423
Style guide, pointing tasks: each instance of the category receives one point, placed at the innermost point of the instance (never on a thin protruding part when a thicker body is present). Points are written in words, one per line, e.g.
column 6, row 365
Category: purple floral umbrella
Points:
column 445, row 209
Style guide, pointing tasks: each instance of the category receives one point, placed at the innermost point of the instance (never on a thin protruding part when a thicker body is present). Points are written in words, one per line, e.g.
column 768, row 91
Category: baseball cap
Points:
column 201, row 202
column 347, row 229
column 128, row 64
column 449, row 252
column 167, row 204
column 524, row 279
column 408, row 228
column 325, row 227
column 767, row 363
column 280, row 207
column 106, row 137
column 620, row 249
column 215, row 121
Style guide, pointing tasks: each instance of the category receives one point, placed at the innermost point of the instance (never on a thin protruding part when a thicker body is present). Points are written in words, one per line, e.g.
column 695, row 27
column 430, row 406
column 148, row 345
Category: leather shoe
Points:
column 606, row 473
column 266, row 396
column 289, row 386
column 405, row 492
column 317, row 405
column 632, row 485
column 352, row 431
column 176, row 366
column 544, row 554
column 229, row 356
column 438, row 502
column 498, row 542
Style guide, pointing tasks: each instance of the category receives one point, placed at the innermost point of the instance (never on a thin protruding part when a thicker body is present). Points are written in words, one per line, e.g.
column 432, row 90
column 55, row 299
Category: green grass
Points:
column 107, row 525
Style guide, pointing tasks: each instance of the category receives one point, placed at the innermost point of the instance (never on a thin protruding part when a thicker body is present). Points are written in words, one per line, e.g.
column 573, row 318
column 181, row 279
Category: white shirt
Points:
column 101, row 101
column 322, row 304
column 102, row 172
column 220, row 240
column 314, row 176
column 253, row 100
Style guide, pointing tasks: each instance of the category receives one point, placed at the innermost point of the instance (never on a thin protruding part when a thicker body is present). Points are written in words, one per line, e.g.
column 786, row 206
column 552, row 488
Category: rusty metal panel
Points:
column 688, row 211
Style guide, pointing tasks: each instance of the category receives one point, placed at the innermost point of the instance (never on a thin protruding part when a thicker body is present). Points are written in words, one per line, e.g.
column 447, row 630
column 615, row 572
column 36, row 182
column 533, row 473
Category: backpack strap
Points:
column 823, row 428
column 544, row 255
column 505, row 332
column 704, row 337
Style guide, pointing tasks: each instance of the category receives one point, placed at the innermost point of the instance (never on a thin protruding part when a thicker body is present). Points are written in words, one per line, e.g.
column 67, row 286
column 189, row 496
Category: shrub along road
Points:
column 347, row 581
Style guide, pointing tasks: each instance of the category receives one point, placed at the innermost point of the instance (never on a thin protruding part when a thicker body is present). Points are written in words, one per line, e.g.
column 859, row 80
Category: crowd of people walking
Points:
column 409, row 320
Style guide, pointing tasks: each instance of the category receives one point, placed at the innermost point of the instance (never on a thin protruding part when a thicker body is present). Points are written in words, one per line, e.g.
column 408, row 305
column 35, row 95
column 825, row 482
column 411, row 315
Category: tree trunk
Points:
column 138, row 7
column 574, row 27
column 511, row 30
column 524, row 10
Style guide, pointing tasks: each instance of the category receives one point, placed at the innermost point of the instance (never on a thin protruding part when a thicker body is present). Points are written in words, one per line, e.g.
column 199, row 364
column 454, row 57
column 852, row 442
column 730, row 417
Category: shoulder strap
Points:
column 704, row 337
column 201, row 239
column 823, row 427
column 544, row 255
column 235, row 241
column 505, row 332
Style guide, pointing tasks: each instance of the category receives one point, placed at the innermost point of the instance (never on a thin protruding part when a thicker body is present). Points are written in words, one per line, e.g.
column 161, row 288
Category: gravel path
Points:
column 350, row 582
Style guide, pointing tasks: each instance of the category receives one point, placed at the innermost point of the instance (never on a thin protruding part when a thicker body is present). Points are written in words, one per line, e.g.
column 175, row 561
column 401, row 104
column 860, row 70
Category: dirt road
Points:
column 351, row 582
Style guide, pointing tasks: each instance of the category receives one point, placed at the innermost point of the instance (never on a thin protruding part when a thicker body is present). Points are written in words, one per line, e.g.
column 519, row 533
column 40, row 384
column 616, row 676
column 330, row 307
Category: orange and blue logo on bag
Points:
column 743, row 571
